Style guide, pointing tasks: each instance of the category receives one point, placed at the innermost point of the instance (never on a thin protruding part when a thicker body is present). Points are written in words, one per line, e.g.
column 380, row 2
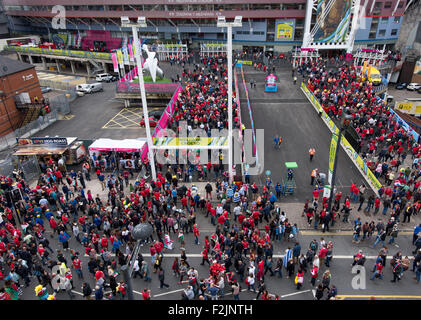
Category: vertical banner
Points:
column 131, row 52
column 125, row 55
column 115, row 63
column 332, row 152
column 120, row 58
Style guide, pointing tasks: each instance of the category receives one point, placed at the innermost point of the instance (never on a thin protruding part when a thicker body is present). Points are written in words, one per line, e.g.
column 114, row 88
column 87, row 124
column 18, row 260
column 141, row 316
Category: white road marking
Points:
column 294, row 293
column 165, row 293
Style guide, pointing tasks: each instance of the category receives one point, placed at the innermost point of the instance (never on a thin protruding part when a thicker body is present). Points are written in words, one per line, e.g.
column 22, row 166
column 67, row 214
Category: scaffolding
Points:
column 170, row 51
column 213, row 49
column 372, row 56
column 300, row 55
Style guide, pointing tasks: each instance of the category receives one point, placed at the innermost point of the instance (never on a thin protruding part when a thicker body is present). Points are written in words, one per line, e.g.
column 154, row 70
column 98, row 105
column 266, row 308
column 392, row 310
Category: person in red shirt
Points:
column 77, row 265
column 205, row 256
column 104, row 242
column 146, row 294
column 196, row 234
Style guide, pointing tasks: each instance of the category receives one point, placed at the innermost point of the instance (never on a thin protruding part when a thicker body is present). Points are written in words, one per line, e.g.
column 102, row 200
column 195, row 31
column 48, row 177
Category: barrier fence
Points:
column 355, row 157
column 251, row 117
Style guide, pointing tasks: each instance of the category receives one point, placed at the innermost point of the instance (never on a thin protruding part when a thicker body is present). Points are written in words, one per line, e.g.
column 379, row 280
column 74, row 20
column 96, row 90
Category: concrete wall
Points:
column 410, row 27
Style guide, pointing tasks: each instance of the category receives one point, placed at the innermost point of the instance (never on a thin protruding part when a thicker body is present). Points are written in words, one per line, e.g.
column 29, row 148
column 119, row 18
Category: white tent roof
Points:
column 117, row 145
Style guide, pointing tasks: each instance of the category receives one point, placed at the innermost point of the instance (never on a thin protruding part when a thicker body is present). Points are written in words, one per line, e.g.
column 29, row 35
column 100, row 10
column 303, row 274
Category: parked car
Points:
column 401, row 86
column 156, row 114
column 152, row 122
column 89, row 87
column 45, row 89
column 104, row 77
column 413, row 86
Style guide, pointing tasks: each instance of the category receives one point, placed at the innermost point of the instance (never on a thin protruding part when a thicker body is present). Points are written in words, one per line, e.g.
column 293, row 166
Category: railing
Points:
column 60, row 52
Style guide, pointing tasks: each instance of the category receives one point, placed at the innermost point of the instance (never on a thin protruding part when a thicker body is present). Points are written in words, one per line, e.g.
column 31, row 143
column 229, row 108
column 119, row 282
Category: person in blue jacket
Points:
column 64, row 239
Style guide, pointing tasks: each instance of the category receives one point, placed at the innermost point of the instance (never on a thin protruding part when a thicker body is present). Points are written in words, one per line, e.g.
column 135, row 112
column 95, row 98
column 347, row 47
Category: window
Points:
column 258, row 32
column 382, row 33
column 372, row 35
column 397, row 19
column 384, row 19
column 388, row 4
column 377, row 7
column 270, row 37
column 394, row 32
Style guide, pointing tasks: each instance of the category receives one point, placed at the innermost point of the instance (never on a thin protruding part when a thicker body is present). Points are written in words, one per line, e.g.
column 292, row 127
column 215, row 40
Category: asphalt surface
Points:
column 289, row 114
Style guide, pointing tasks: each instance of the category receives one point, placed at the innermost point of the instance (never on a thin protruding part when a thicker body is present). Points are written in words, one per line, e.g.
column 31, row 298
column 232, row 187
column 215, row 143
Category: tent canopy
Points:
column 126, row 145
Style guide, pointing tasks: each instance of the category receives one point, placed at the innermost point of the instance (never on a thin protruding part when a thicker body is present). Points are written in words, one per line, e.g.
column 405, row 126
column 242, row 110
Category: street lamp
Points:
column 141, row 23
column 345, row 122
column 222, row 23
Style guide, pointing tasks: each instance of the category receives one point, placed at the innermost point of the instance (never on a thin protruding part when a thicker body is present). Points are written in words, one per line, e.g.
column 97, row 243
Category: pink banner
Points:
column 115, row 62
column 170, row 110
column 131, row 52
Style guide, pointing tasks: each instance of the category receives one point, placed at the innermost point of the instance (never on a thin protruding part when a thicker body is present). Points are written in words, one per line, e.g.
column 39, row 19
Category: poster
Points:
column 332, row 153
column 332, row 21
column 284, row 29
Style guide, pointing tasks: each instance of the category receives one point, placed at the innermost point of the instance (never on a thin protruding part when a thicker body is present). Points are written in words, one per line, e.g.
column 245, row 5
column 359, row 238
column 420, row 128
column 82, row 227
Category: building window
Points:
column 382, row 33
column 397, row 19
column 270, row 37
column 377, row 8
column 385, row 19
column 394, row 32
column 388, row 4
column 372, row 35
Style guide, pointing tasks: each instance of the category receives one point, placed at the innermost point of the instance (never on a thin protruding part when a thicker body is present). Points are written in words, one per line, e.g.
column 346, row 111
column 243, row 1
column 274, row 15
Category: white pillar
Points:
column 229, row 58
column 143, row 95
column 307, row 24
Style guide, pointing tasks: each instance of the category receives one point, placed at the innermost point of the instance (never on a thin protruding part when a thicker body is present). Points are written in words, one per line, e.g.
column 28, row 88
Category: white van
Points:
column 89, row 88
column 103, row 77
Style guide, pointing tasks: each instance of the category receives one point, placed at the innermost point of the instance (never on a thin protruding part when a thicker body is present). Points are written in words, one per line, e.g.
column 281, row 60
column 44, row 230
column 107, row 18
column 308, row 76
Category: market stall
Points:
column 126, row 151
column 52, row 149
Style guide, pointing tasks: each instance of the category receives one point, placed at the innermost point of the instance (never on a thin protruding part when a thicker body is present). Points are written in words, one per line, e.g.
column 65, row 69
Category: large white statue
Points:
column 151, row 64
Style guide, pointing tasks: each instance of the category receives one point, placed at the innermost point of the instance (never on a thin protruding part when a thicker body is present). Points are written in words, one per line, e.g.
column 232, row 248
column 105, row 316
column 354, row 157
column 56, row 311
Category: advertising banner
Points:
column 333, row 146
column 115, row 62
column 332, row 21
column 405, row 125
column 412, row 108
column 38, row 141
column 189, row 142
column 284, row 29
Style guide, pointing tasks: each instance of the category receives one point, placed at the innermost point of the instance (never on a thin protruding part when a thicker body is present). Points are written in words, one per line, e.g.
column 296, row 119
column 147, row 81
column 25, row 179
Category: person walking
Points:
column 313, row 176
column 311, row 152
column 161, row 277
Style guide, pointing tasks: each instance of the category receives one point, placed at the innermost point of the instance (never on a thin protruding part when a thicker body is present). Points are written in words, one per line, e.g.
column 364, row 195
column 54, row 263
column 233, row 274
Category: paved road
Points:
column 289, row 114
column 340, row 269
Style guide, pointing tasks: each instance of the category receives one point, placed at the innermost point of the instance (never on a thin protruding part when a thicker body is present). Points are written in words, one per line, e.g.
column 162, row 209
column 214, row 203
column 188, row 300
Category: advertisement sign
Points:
column 38, row 141
column 332, row 153
column 412, row 108
column 332, row 21
column 284, row 29
column 189, row 142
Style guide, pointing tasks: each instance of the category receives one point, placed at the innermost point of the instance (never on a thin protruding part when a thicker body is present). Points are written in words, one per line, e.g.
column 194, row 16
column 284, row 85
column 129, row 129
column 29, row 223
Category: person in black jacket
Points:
column 161, row 277
column 87, row 291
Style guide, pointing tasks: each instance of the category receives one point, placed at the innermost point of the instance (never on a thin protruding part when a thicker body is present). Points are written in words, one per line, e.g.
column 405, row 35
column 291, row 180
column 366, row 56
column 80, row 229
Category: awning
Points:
column 126, row 145
column 33, row 150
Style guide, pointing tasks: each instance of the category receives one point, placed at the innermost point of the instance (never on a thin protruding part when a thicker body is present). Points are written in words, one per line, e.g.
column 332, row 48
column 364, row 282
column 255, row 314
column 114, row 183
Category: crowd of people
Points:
column 59, row 228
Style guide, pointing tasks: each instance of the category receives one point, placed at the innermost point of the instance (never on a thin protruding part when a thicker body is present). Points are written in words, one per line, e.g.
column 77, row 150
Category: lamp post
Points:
column 229, row 25
column 141, row 23
column 345, row 121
